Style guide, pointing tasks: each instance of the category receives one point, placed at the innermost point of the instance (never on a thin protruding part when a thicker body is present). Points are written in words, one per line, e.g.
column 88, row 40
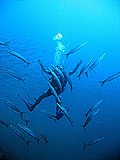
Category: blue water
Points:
column 30, row 26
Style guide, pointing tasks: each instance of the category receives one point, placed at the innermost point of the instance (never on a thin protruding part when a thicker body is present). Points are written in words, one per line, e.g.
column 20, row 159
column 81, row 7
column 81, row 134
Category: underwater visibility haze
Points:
column 59, row 80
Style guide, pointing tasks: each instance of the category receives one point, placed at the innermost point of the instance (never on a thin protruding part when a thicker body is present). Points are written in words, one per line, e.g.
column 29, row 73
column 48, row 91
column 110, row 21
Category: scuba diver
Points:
column 57, row 83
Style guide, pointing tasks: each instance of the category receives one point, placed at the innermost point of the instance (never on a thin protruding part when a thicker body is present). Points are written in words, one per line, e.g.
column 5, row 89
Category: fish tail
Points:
column 79, row 76
column 23, row 80
column 7, row 125
column 67, row 55
column 35, row 99
column 72, row 123
column 22, row 113
column 28, row 142
column 71, row 88
column 86, row 73
column 38, row 141
column 84, row 146
column 83, row 127
column 28, row 63
column 102, row 83
column 46, row 143
column 55, row 120
column 27, row 121
column 11, row 125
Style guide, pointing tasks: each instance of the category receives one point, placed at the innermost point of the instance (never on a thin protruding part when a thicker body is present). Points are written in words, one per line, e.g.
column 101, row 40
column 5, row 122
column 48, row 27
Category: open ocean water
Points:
column 47, row 30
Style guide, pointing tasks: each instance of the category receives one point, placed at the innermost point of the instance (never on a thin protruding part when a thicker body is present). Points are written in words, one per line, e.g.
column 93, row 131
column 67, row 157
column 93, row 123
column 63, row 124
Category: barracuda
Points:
column 56, row 79
column 66, row 113
column 29, row 132
column 19, row 134
column 92, row 143
column 89, row 119
column 19, row 56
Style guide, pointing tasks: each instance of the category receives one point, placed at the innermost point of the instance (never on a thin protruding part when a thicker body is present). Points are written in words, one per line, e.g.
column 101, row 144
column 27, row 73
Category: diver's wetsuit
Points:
column 48, row 92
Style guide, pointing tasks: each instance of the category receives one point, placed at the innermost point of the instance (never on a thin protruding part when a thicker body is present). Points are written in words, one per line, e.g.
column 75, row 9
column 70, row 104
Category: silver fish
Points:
column 6, row 44
column 75, row 49
column 94, row 64
column 43, row 136
column 19, row 134
column 23, row 119
column 76, row 67
column 52, row 89
column 56, row 79
column 68, row 79
column 91, row 109
column 58, row 71
column 4, row 123
column 47, row 114
column 29, row 132
column 13, row 107
column 54, row 92
column 92, row 143
column 26, row 103
column 12, row 74
column 66, row 113
column 85, row 67
column 110, row 78
column 19, row 56
column 89, row 118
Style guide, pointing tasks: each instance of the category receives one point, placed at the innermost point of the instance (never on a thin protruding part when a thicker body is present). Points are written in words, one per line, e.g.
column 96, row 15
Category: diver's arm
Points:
column 76, row 67
column 43, row 68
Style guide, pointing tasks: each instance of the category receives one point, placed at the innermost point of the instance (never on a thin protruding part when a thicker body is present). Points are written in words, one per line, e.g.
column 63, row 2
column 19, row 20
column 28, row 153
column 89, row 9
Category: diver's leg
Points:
column 44, row 95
